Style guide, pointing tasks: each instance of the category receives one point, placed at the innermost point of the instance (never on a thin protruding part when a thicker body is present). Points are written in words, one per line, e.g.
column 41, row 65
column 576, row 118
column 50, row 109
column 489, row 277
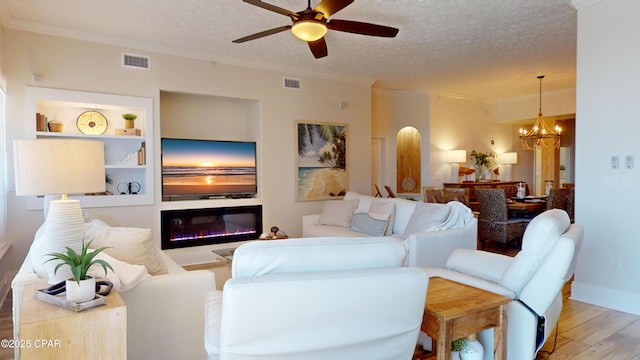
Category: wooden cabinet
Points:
column 121, row 151
column 50, row 332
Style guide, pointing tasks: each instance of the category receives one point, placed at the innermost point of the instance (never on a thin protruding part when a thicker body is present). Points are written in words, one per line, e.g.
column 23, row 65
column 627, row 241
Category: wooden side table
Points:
column 454, row 310
column 50, row 332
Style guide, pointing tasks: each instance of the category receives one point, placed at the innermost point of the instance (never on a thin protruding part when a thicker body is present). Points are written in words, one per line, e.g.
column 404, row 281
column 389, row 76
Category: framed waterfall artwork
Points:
column 321, row 161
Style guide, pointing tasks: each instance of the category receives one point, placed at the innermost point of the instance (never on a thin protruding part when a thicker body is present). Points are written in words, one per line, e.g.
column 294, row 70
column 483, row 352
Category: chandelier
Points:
column 540, row 136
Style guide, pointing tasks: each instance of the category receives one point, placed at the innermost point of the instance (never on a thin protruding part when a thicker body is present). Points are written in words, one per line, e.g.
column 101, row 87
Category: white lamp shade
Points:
column 455, row 156
column 508, row 158
column 58, row 166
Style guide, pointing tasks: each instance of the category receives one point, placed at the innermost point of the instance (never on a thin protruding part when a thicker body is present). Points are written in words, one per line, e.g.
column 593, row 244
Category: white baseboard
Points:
column 606, row 297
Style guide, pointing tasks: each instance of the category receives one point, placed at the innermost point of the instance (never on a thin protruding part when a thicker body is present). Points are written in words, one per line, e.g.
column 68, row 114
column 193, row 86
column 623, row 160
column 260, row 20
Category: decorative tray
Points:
column 59, row 300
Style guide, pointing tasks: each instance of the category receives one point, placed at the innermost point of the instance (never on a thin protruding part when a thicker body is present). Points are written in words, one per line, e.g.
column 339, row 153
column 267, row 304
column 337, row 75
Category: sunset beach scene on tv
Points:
column 208, row 168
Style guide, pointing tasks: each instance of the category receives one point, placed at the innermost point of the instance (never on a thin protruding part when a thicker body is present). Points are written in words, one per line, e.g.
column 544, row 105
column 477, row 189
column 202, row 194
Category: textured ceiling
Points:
column 485, row 48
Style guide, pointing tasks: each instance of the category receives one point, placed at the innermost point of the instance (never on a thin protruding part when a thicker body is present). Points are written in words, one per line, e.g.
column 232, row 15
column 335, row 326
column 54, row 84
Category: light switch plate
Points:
column 628, row 162
column 615, row 161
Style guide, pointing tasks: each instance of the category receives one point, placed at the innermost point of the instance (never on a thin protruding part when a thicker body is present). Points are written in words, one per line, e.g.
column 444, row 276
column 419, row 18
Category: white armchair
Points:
column 534, row 279
column 320, row 298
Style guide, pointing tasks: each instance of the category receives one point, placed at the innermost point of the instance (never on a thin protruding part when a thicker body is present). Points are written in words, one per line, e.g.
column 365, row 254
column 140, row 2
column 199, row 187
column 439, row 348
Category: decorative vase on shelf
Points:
column 481, row 174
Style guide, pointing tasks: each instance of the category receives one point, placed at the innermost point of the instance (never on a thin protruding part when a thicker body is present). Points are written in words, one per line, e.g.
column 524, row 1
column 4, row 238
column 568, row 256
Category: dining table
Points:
column 528, row 208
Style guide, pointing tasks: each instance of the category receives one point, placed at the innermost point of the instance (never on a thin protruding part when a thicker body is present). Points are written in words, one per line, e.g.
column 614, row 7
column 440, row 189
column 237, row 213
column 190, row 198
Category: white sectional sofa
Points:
column 429, row 232
column 165, row 311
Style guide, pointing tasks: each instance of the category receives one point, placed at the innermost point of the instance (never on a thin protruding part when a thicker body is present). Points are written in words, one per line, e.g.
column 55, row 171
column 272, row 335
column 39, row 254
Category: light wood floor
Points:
column 586, row 332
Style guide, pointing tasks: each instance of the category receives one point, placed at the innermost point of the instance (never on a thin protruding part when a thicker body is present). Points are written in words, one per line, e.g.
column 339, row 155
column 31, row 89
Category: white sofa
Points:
column 429, row 232
column 165, row 313
column 321, row 298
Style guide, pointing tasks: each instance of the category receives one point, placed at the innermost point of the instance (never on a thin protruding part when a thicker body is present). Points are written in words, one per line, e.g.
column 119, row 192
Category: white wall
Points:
column 463, row 123
column 77, row 65
column 553, row 103
column 608, row 89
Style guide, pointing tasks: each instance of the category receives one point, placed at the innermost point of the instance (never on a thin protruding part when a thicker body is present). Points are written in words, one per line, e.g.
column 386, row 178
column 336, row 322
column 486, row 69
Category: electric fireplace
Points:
column 197, row 227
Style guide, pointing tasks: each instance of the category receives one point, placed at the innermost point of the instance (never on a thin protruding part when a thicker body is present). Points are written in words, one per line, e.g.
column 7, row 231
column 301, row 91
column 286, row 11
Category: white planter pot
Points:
column 473, row 351
column 82, row 292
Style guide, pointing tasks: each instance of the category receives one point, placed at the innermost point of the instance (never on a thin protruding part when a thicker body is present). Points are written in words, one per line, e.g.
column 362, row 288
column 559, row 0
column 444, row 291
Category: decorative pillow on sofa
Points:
column 338, row 213
column 374, row 224
column 384, row 207
column 425, row 217
column 128, row 244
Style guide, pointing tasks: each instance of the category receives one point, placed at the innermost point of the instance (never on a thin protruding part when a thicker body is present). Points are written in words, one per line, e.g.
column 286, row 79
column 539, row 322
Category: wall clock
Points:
column 92, row 122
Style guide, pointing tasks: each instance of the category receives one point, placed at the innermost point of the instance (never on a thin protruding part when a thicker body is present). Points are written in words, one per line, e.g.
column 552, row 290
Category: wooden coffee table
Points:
column 454, row 310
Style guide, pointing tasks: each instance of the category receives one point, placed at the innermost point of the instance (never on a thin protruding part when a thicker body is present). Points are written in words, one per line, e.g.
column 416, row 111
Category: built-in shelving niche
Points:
column 210, row 117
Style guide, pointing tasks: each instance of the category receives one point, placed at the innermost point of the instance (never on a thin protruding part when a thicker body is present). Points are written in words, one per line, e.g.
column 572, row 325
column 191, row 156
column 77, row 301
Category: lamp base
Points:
column 507, row 172
column 455, row 173
column 64, row 227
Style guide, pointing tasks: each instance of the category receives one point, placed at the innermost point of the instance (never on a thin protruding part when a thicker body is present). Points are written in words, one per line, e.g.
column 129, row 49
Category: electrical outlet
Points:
column 616, row 264
column 615, row 161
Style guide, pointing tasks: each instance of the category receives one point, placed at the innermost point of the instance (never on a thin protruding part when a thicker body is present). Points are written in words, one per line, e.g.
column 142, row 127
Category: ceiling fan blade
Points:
column 270, row 7
column 318, row 48
column 262, row 34
column 330, row 7
column 362, row 28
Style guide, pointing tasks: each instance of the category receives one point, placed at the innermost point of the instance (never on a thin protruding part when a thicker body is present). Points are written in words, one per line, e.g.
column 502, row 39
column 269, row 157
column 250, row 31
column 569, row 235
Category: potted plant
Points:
column 467, row 349
column 483, row 161
column 80, row 287
column 128, row 120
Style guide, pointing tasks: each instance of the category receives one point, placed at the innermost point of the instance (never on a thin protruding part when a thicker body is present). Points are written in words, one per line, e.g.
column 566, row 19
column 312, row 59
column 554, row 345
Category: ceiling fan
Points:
column 311, row 25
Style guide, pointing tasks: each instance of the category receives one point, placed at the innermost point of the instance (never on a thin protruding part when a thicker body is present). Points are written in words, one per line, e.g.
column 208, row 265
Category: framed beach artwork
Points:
column 321, row 161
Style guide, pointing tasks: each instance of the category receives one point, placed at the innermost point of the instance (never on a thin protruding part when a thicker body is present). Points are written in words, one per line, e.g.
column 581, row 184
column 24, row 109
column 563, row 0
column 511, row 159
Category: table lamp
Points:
column 455, row 157
column 59, row 166
column 507, row 159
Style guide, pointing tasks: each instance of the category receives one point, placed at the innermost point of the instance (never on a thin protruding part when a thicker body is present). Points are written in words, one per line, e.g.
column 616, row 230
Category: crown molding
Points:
column 578, row 4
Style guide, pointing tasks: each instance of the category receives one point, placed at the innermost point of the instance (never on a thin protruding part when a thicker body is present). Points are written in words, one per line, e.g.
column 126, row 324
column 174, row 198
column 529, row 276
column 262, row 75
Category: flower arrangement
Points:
column 483, row 159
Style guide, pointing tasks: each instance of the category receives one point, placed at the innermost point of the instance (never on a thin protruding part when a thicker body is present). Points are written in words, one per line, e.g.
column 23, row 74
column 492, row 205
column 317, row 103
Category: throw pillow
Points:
column 384, row 207
column 426, row 216
column 128, row 244
column 338, row 213
column 373, row 224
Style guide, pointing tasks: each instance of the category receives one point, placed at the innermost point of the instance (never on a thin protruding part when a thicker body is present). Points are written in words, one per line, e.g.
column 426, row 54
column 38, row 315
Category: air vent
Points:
column 292, row 84
column 135, row 61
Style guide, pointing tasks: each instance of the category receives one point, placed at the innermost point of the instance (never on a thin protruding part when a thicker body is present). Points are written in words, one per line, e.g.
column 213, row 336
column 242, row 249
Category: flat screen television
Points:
column 201, row 169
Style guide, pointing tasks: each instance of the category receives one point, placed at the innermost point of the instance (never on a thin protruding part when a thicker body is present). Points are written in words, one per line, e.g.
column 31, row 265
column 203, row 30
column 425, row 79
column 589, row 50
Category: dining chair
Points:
column 494, row 223
column 377, row 192
column 456, row 194
column 570, row 203
column 557, row 198
column 432, row 194
column 389, row 191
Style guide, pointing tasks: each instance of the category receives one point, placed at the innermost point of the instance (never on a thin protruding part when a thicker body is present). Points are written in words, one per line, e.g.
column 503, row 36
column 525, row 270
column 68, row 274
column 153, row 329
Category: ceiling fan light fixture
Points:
column 309, row 30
